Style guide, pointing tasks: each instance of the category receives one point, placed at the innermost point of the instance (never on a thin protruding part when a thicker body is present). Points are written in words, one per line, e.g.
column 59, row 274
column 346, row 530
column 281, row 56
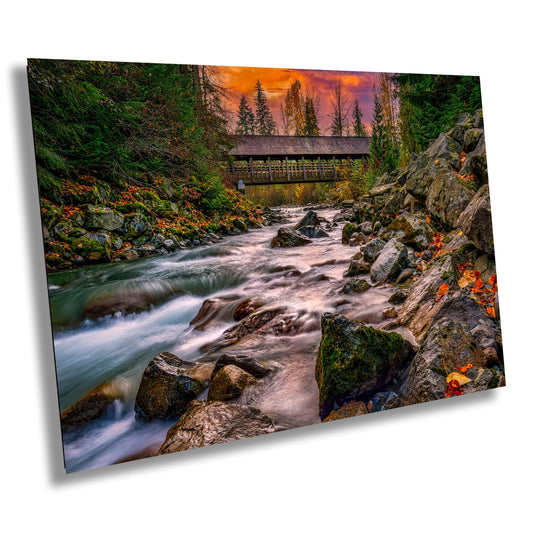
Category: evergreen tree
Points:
column 311, row 122
column 264, row 121
column 295, row 109
column 339, row 117
column 382, row 152
column 246, row 122
column 359, row 129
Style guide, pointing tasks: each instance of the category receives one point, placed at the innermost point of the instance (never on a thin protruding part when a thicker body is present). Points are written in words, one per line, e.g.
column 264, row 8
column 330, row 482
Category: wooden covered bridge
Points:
column 275, row 159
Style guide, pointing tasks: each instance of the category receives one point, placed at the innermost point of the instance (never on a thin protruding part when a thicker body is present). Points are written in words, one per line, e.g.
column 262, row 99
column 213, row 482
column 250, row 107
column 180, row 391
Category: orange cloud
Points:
column 275, row 81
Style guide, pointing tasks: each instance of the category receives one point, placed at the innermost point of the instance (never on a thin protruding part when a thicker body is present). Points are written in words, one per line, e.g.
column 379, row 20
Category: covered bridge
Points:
column 270, row 159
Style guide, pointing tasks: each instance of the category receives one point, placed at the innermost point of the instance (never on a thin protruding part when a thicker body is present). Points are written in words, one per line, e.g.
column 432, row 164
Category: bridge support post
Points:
column 319, row 168
column 287, row 168
column 252, row 169
column 269, row 170
column 334, row 168
column 303, row 168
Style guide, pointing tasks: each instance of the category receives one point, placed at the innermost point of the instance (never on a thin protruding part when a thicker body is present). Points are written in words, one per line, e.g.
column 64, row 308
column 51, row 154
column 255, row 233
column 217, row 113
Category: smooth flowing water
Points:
column 305, row 280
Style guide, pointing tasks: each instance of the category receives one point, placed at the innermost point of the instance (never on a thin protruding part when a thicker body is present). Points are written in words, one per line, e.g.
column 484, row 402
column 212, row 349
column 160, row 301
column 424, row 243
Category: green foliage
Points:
column 311, row 127
column 246, row 119
column 359, row 128
column 431, row 104
column 383, row 153
column 264, row 121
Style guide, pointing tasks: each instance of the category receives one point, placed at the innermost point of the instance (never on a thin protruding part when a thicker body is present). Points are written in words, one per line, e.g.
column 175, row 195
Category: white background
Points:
column 463, row 464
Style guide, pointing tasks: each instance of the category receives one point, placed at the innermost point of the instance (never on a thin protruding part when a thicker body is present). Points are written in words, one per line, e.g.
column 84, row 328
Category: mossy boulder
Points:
column 355, row 285
column 309, row 219
column 102, row 218
column 355, row 361
column 168, row 384
column 409, row 230
column 347, row 232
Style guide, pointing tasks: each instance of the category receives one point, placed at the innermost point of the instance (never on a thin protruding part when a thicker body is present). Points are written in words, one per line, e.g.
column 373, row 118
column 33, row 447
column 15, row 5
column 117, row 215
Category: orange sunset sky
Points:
column 276, row 81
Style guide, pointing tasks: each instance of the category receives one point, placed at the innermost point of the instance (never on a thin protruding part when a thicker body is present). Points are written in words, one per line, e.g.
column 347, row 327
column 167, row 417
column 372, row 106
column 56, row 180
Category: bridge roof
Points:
column 284, row 145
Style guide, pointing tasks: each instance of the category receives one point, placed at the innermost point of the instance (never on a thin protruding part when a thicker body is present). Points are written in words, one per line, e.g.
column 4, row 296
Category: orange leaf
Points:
column 463, row 369
column 469, row 275
column 428, row 220
column 443, row 289
column 491, row 312
column 478, row 286
column 453, row 389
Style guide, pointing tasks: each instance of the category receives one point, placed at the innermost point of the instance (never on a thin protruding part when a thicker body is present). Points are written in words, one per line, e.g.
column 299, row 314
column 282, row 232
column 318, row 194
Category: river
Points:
column 306, row 280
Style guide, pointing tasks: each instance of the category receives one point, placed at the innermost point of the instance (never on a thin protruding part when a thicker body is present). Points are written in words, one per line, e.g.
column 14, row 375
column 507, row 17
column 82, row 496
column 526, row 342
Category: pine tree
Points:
column 383, row 155
column 359, row 129
column 295, row 109
column 339, row 116
column 246, row 122
column 311, row 122
column 264, row 121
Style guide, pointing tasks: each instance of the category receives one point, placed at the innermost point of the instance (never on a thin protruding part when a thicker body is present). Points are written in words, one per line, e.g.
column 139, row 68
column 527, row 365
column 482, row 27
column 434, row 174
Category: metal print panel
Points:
column 233, row 252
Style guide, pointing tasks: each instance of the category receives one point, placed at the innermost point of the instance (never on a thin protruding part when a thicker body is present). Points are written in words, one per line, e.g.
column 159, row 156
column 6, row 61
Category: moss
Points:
column 439, row 371
column 495, row 380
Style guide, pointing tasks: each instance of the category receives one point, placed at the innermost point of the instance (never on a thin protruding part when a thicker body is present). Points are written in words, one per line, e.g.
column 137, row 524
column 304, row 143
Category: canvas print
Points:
column 237, row 251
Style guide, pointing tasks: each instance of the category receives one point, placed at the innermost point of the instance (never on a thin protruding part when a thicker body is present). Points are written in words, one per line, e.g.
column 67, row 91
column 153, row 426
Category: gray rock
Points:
column 389, row 263
column 287, row 238
column 229, row 383
column 309, row 219
column 372, row 250
column 103, row 218
column 355, row 285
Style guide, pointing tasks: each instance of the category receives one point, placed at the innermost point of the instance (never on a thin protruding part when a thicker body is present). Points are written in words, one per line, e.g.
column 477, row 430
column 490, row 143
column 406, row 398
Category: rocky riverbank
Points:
column 423, row 234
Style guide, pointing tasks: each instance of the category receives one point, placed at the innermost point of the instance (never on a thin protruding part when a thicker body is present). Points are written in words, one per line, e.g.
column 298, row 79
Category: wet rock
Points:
column 252, row 323
column 362, row 212
column 168, row 384
column 405, row 274
column 389, row 313
column 355, row 285
column 398, row 297
column 357, row 266
column 472, row 137
column 347, row 232
column 134, row 226
column 409, row 230
column 207, row 423
column 245, row 308
column 476, row 221
column 366, row 228
column 211, row 311
column 90, row 407
column 383, row 401
column 347, row 411
column 313, row 232
column 240, row 225
column 102, row 218
column 464, row 123
column 229, row 383
column 249, row 364
column 126, row 302
column 372, row 250
column 287, row 238
column 389, row 263
column 358, row 238
column 356, row 361
column 309, row 219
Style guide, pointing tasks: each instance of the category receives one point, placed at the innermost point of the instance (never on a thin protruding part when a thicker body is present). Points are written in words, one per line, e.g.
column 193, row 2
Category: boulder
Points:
column 207, row 423
column 240, row 225
column 409, row 230
column 390, row 262
column 476, row 221
column 252, row 323
column 134, row 226
column 357, row 266
column 313, row 232
column 347, row 411
column 355, row 361
column 287, row 238
column 358, row 238
column 347, row 232
column 249, row 364
column 383, row 401
column 363, row 212
column 229, row 383
column 448, row 344
column 102, row 218
column 168, row 384
column 448, row 196
column 355, row 285
column 212, row 310
column 309, row 219
column 372, row 250
column 90, row 407
column 132, row 300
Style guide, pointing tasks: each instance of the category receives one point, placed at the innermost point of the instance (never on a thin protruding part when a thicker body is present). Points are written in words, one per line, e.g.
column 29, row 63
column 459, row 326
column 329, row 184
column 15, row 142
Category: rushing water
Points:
column 306, row 280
